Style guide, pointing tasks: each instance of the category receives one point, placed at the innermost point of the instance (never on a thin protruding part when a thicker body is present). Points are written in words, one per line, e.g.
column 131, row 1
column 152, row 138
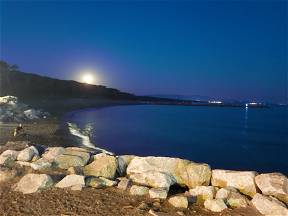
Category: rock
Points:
column 72, row 158
column 123, row 162
column 124, row 184
column 71, row 180
column 78, row 170
column 10, row 153
column 143, row 206
column 105, row 166
column 275, row 184
column 185, row 173
column 77, row 187
column 268, row 206
column 52, row 152
column 94, row 182
column 180, row 213
column 41, row 164
column 139, row 190
column 158, row 193
column 154, row 213
column 7, row 160
column 27, row 154
column 153, row 179
column 236, row 200
column 203, row 192
column 215, row 205
column 242, row 180
column 7, row 174
column 108, row 182
column 32, row 183
column 35, row 158
column 179, row 201
column 223, row 193
column 23, row 163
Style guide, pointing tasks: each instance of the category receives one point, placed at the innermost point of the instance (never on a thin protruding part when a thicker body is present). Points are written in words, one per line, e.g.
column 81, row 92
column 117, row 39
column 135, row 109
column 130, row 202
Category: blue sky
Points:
column 220, row 49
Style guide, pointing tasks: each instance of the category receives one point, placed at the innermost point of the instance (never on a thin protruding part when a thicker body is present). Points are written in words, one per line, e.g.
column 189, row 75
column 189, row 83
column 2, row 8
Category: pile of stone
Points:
column 217, row 189
column 12, row 110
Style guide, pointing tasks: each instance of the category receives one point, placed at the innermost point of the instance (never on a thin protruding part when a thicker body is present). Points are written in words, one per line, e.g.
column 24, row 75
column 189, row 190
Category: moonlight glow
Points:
column 88, row 78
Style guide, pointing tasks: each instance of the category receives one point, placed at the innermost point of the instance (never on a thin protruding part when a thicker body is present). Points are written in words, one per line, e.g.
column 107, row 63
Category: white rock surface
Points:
column 215, row 205
column 185, row 173
column 32, row 183
column 139, row 190
column 242, row 180
column 27, row 154
column 223, row 193
column 153, row 179
column 52, row 152
column 71, row 180
column 179, row 201
column 268, row 206
column 275, row 184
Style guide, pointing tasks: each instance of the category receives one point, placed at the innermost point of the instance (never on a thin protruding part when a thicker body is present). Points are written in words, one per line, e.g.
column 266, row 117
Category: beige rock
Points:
column 268, row 206
column 7, row 161
column 77, row 187
column 242, row 180
column 71, row 180
column 32, row 183
column 223, row 193
column 179, row 201
column 27, row 154
column 158, row 193
column 275, row 184
column 23, row 163
column 94, row 182
column 203, row 192
column 124, row 184
column 139, row 190
column 185, row 173
column 7, row 174
column 123, row 162
column 236, row 200
column 215, row 205
column 52, row 152
column 105, row 166
column 72, row 158
column 153, row 179
column 11, row 153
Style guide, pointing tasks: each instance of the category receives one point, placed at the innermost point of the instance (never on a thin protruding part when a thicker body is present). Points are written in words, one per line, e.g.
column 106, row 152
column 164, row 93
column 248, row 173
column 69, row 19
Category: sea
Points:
column 235, row 138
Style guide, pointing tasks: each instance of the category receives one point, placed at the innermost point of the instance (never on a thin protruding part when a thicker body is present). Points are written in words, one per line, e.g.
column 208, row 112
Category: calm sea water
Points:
column 228, row 138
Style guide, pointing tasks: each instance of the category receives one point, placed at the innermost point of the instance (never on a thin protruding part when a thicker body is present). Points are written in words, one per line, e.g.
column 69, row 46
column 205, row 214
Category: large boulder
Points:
column 275, row 184
column 52, row 152
column 72, row 158
column 71, row 180
column 32, row 183
column 215, row 205
column 41, row 164
column 185, row 173
column 27, row 154
column 7, row 160
column 153, row 179
column 10, row 153
column 203, row 192
column 269, row 206
column 104, row 166
column 242, row 180
column 179, row 201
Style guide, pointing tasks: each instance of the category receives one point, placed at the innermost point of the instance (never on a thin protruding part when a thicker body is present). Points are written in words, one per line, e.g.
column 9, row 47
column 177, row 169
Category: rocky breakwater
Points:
column 216, row 190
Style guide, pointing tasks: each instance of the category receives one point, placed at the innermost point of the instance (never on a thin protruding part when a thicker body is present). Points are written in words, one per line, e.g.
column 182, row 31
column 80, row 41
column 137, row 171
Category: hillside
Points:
column 27, row 86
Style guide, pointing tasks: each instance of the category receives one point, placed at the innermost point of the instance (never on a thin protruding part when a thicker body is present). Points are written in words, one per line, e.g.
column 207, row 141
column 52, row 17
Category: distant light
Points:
column 246, row 105
column 215, row 102
column 88, row 78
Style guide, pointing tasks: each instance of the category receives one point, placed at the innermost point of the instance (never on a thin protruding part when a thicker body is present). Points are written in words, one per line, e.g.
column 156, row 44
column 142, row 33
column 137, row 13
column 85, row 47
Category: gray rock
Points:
column 123, row 162
column 78, row 170
column 236, row 200
column 72, row 158
column 41, row 164
column 52, row 152
column 158, row 193
column 27, row 154
column 32, row 183
column 94, row 182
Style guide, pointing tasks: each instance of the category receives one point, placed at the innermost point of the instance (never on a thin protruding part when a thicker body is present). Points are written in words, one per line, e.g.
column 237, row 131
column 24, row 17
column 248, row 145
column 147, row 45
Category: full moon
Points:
column 88, row 78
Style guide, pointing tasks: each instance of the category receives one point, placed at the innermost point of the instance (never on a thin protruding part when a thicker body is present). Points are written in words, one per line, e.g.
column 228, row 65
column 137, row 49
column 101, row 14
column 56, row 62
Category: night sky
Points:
column 219, row 49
